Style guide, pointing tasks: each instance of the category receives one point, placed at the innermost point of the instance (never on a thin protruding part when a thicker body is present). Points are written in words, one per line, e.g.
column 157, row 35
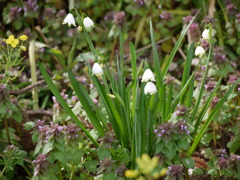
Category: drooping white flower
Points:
column 148, row 76
column 97, row 70
column 206, row 34
column 69, row 19
column 199, row 51
column 88, row 23
column 150, row 88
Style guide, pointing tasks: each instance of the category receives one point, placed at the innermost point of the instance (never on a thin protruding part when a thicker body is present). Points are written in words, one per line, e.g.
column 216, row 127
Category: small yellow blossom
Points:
column 23, row 48
column 146, row 165
column 23, row 37
column 131, row 173
column 13, row 42
column 157, row 175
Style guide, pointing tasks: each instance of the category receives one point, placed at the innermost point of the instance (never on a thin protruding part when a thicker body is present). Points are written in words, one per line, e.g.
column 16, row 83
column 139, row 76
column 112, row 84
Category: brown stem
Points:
column 211, row 8
column 26, row 89
column 6, row 127
column 186, row 173
column 113, row 49
column 39, row 112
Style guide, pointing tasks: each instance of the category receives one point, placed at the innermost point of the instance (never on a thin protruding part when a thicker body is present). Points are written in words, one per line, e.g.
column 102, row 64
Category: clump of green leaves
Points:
column 11, row 157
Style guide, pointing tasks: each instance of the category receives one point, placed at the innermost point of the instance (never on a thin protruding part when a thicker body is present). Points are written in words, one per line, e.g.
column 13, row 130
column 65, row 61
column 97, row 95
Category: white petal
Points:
column 97, row 70
column 88, row 23
column 199, row 51
column 148, row 76
column 69, row 19
column 205, row 34
column 150, row 88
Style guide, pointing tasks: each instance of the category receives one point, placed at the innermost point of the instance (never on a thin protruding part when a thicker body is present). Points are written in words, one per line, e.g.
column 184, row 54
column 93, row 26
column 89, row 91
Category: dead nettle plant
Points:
column 139, row 110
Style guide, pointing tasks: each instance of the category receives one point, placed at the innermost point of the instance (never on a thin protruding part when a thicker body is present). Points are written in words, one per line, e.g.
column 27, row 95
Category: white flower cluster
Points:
column 199, row 51
column 150, row 87
column 87, row 22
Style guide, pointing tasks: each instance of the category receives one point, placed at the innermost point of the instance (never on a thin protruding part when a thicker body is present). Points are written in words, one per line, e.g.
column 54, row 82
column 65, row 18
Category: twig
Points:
column 39, row 30
column 179, row 49
column 26, row 89
column 147, row 47
column 40, row 112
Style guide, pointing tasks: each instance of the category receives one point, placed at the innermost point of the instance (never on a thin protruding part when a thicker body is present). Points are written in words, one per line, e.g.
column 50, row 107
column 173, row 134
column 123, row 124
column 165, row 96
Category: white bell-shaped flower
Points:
column 199, row 51
column 148, row 76
column 97, row 70
column 88, row 23
column 69, row 19
column 206, row 34
column 150, row 88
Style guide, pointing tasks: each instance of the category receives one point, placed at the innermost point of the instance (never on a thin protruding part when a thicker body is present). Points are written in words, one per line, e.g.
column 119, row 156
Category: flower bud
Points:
column 23, row 48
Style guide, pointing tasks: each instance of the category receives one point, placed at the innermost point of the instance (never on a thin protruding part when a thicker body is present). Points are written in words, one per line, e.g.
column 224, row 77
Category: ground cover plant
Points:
column 119, row 90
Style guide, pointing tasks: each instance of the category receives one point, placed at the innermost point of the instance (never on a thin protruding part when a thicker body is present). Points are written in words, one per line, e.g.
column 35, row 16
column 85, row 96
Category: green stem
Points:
column 27, row 171
column 2, row 172
column 60, row 171
column 71, row 54
column 72, row 173
column 214, row 136
column 18, row 52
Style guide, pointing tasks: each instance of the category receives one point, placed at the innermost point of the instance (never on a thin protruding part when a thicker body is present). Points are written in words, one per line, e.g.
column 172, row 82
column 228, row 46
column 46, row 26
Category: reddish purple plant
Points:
column 40, row 164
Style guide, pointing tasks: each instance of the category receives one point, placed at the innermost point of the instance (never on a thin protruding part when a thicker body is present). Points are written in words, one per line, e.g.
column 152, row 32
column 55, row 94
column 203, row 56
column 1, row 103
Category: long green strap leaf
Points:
column 206, row 106
column 203, row 81
column 63, row 103
column 187, row 67
column 178, row 43
column 78, row 88
column 159, row 77
column 210, row 118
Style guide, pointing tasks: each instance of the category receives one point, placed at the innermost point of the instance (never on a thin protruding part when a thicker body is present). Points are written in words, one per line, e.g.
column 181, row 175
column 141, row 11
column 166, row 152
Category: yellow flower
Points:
column 13, row 42
column 23, row 37
column 157, row 175
column 23, row 48
column 131, row 173
column 146, row 165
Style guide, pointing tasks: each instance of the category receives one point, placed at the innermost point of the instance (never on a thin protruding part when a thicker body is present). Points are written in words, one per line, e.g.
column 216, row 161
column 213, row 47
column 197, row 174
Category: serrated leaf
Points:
column 29, row 125
column 109, row 176
column 38, row 147
column 188, row 162
column 91, row 166
column 17, row 116
column 103, row 152
column 76, row 157
column 61, row 156
column 47, row 147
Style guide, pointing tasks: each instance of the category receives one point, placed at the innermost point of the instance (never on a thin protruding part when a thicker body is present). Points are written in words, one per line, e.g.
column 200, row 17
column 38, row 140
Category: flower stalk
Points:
column 33, row 73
